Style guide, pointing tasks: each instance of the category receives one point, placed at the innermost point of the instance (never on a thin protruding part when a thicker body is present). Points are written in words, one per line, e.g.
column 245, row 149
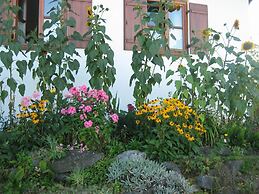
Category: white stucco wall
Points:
column 220, row 12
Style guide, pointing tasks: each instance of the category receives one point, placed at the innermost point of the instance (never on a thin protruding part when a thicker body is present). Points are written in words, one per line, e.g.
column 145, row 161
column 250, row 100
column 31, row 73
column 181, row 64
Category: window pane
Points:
column 152, row 11
column 176, row 17
column 48, row 4
column 178, row 43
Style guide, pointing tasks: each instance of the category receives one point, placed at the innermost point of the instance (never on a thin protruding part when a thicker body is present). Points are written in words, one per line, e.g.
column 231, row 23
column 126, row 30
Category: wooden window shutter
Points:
column 79, row 13
column 198, row 19
column 130, row 21
column 41, row 17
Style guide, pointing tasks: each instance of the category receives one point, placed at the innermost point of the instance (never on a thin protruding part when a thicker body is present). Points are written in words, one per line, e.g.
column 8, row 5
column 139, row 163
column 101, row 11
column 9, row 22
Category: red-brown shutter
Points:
column 79, row 13
column 130, row 20
column 198, row 19
column 41, row 17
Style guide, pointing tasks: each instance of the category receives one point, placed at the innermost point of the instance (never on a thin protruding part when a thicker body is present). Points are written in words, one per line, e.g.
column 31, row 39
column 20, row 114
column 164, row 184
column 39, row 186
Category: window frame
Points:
column 40, row 21
column 183, row 4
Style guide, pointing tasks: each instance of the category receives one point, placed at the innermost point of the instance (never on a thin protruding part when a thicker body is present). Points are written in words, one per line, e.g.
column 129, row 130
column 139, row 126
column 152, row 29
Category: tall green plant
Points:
column 147, row 55
column 100, row 62
column 11, row 48
column 220, row 78
column 52, row 60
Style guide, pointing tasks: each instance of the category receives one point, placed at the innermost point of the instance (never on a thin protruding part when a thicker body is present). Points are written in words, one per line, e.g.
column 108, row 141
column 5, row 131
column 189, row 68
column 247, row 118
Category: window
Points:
column 33, row 12
column 197, row 16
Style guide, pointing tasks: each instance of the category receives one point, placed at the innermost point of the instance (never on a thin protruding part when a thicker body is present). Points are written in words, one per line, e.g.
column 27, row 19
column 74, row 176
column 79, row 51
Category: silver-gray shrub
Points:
column 146, row 175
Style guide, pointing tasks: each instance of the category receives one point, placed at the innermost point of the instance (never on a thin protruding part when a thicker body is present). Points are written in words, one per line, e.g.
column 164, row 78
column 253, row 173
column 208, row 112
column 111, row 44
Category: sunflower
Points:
column 247, row 45
column 236, row 24
column 206, row 33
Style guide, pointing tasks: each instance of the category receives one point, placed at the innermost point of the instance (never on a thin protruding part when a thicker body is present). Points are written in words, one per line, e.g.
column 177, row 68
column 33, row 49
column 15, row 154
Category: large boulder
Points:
column 206, row 182
column 74, row 160
column 131, row 155
column 171, row 166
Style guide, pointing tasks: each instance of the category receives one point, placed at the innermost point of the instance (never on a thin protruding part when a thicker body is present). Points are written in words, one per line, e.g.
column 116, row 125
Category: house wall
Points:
column 220, row 12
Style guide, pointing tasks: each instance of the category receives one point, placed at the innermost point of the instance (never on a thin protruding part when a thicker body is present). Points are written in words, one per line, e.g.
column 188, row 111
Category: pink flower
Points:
column 63, row 111
column 68, row 95
column 26, row 100
column 82, row 117
column 87, row 109
column 74, row 91
column 83, row 88
column 115, row 118
column 36, row 95
column 93, row 94
column 71, row 110
column 130, row 107
column 102, row 96
column 88, row 124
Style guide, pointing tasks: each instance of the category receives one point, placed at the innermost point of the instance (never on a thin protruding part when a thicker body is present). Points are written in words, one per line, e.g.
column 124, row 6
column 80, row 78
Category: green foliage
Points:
column 95, row 175
column 226, row 85
column 7, row 55
column 100, row 63
column 211, row 124
column 55, row 150
column 26, row 175
column 141, row 175
column 52, row 62
column 236, row 134
column 152, row 41
column 253, row 139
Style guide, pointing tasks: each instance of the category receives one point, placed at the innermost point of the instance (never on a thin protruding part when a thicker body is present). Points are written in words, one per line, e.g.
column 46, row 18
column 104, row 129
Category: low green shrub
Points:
column 142, row 174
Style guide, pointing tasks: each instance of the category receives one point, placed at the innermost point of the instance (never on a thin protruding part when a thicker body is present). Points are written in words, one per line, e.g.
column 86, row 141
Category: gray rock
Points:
column 224, row 151
column 171, row 166
column 131, row 155
column 206, row 182
column 234, row 166
column 75, row 160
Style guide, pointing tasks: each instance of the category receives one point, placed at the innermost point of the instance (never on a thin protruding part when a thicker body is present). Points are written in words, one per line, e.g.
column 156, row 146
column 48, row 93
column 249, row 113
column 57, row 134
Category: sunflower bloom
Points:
column 247, row 45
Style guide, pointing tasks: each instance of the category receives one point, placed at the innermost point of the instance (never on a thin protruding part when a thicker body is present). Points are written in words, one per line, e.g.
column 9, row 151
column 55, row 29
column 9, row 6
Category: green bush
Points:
column 236, row 134
column 141, row 175
column 253, row 139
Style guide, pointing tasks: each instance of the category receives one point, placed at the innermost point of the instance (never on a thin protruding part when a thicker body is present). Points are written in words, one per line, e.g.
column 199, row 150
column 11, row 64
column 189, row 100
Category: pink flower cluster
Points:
column 82, row 92
column 71, row 110
column 84, row 103
column 27, row 100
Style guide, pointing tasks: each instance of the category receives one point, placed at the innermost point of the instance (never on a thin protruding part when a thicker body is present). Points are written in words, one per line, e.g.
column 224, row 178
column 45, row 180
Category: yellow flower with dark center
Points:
column 35, row 121
column 185, row 125
column 171, row 123
column 158, row 120
column 236, row 24
column 187, row 135
column 190, row 127
column 180, row 131
column 175, row 114
column 23, row 108
column 166, row 116
column 138, row 113
column 137, row 122
column 33, row 106
column 247, row 45
column 206, row 33
column 191, row 138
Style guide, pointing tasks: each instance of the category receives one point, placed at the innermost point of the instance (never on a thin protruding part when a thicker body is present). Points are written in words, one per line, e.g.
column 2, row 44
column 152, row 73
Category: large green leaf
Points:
column 12, row 84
